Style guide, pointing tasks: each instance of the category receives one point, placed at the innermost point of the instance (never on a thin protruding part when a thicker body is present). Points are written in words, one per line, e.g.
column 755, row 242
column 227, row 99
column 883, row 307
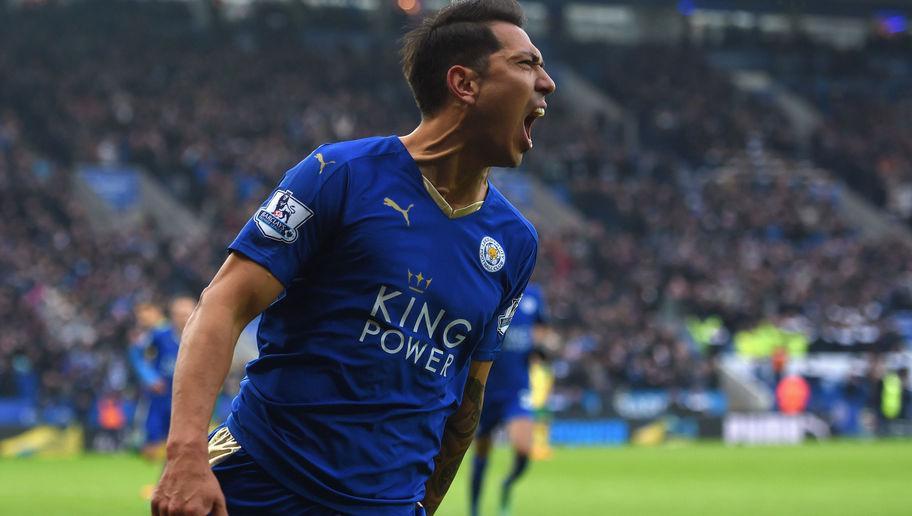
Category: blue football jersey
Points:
column 510, row 373
column 389, row 295
column 155, row 355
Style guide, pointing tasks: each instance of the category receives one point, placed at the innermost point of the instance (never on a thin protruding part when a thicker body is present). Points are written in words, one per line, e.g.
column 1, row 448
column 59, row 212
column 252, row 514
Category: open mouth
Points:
column 529, row 120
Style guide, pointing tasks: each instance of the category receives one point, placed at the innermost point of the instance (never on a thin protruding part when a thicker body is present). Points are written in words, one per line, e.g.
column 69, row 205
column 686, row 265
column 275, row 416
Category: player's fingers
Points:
column 173, row 509
column 219, row 508
column 158, row 504
column 162, row 505
column 196, row 508
column 189, row 510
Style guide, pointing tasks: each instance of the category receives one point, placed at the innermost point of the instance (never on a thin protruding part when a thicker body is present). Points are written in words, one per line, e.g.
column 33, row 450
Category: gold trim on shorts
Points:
column 221, row 446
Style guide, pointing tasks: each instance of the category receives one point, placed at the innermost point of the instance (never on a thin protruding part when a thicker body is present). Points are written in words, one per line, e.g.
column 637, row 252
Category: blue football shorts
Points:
column 158, row 419
column 250, row 490
column 501, row 411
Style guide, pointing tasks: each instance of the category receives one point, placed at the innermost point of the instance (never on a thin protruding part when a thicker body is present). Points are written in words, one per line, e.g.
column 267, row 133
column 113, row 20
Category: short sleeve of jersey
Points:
column 491, row 341
column 296, row 218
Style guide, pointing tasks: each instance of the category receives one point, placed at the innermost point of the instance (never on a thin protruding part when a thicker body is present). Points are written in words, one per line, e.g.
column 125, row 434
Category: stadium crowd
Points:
column 863, row 95
column 698, row 219
column 868, row 107
column 714, row 214
column 68, row 291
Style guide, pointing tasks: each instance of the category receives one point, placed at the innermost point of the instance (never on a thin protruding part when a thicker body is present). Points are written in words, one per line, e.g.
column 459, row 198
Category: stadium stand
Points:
column 863, row 97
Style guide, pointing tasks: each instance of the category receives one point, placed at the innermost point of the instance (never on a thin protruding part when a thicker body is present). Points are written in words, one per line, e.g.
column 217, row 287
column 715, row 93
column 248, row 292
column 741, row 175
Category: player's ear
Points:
column 463, row 84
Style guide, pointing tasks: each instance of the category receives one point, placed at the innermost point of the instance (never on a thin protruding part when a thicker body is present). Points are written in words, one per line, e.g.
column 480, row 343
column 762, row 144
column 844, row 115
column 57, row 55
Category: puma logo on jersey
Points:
column 323, row 164
column 392, row 204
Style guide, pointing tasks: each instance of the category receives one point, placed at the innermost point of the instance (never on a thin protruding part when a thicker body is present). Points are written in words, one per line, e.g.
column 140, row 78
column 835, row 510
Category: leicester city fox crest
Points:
column 282, row 216
column 491, row 254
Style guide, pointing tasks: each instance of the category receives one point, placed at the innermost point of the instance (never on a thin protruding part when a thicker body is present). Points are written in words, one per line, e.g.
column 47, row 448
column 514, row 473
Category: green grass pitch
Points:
column 836, row 478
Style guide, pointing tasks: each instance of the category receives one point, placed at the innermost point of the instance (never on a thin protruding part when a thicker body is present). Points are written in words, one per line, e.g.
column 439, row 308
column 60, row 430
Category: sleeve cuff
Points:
column 255, row 255
column 485, row 356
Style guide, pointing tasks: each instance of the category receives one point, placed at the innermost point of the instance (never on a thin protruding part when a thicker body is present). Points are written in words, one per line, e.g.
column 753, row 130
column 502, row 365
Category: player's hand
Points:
column 188, row 488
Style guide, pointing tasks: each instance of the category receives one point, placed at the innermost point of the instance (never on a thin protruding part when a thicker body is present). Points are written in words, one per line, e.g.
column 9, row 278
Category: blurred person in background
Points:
column 541, row 382
column 153, row 356
column 508, row 400
column 180, row 309
column 893, row 402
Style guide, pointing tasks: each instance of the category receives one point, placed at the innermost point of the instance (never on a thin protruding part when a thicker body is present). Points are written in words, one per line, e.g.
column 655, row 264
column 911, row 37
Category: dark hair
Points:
column 457, row 34
column 540, row 354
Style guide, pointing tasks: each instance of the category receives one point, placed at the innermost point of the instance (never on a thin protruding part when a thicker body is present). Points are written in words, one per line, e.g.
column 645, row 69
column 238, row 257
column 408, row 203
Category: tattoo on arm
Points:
column 457, row 437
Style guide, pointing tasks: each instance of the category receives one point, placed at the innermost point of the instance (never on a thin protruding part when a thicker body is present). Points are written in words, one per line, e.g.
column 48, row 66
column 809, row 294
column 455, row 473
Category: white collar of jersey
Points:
column 445, row 206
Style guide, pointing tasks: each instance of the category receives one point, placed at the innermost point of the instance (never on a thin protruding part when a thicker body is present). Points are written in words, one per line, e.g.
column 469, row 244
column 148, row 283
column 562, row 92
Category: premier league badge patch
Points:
column 282, row 217
column 491, row 254
column 503, row 321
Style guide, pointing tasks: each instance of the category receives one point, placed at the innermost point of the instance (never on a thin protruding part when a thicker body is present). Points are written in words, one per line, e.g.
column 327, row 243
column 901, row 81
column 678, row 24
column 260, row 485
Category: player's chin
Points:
column 524, row 146
column 517, row 160
column 511, row 154
column 513, row 160
column 518, row 149
column 507, row 157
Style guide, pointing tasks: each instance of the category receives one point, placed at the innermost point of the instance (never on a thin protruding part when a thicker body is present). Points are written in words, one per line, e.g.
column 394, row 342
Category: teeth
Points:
column 539, row 112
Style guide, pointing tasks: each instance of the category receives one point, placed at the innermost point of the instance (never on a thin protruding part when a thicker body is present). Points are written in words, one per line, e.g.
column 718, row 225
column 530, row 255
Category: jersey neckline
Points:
column 435, row 195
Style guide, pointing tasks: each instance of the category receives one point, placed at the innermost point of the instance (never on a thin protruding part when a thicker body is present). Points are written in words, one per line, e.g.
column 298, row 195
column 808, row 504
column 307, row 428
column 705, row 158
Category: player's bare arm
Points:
column 240, row 290
column 457, row 436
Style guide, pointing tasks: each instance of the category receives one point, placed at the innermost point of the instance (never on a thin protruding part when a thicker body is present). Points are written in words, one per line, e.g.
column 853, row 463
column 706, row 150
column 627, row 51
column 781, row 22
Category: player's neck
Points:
column 439, row 148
